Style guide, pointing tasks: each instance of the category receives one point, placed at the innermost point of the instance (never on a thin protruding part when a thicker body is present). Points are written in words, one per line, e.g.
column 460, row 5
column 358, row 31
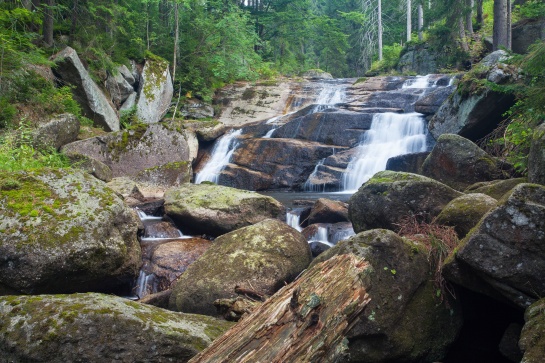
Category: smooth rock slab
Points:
column 262, row 258
column 99, row 328
column 64, row 231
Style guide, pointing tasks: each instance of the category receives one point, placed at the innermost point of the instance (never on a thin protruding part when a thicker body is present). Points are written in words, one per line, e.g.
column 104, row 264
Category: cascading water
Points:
column 330, row 95
column 417, row 82
column 221, row 155
column 390, row 135
column 293, row 219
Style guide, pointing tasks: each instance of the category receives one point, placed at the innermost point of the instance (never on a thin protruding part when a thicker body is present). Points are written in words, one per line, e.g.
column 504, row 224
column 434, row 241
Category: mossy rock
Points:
column 496, row 188
column 405, row 320
column 96, row 328
column 215, row 210
column 389, row 197
column 532, row 338
column 64, row 231
column 464, row 212
column 262, row 257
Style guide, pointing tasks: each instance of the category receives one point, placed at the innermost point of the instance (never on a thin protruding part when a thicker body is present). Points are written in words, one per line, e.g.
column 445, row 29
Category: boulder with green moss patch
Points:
column 458, row 163
column 495, row 188
column 99, row 328
column 57, row 132
column 215, row 210
column 504, row 255
column 131, row 151
column 536, row 158
column 64, row 231
column 532, row 338
column 405, row 320
column 464, row 212
column 262, row 258
column 155, row 92
column 389, row 197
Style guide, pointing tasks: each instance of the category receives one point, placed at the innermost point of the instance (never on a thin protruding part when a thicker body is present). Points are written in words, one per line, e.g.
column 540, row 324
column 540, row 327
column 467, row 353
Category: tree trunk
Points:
column 27, row 4
column 462, row 32
column 469, row 18
column 480, row 18
column 500, row 25
column 379, row 30
column 74, row 20
column 409, row 21
column 420, row 22
column 306, row 321
column 509, row 29
column 48, row 22
column 176, row 39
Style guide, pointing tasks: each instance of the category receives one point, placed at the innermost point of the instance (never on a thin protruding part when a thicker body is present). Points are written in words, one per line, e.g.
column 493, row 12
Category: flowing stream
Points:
column 221, row 155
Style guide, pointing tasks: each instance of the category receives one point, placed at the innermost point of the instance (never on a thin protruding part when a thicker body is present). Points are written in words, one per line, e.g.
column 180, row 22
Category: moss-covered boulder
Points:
column 215, row 210
column 495, row 188
column 99, row 328
column 388, row 197
column 155, row 92
column 405, row 320
column 532, row 338
column 262, row 257
column 458, row 163
column 503, row 256
column 464, row 212
column 59, row 131
column 64, row 231
column 132, row 151
column 536, row 158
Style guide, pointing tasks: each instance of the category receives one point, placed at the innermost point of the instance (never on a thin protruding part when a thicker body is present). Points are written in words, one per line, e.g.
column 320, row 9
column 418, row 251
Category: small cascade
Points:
column 221, row 155
column 293, row 219
column 390, row 135
column 417, row 82
column 269, row 134
column 321, row 236
column 330, row 95
column 309, row 186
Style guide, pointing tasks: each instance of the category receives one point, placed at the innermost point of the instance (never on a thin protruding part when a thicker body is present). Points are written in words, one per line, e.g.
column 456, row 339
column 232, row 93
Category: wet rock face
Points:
column 328, row 211
column 389, row 197
column 504, row 256
column 93, row 102
column 95, row 327
column 64, row 231
column 458, row 163
column 261, row 257
column 402, row 298
column 215, row 210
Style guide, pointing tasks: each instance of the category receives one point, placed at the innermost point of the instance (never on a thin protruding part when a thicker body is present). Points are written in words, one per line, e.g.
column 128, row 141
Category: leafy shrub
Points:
column 7, row 112
column 531, row 9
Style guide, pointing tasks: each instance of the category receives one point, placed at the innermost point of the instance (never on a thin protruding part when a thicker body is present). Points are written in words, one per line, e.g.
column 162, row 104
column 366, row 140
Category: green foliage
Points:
column 7, row 112
column 390, row 54
column 531, row 9
column 17, row 152
column 128, row 118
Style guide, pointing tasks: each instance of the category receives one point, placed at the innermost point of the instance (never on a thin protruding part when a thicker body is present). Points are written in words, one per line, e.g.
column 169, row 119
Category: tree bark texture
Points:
column 409, row 20
column 420, row 22
column 306, row 321
column 469, row 18
column 379, row 30
column 480, row 18
column 48, row 22
column 500, row 33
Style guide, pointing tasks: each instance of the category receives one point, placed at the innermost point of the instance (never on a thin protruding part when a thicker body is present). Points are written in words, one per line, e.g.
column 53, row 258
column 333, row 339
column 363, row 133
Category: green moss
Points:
column 155, row 74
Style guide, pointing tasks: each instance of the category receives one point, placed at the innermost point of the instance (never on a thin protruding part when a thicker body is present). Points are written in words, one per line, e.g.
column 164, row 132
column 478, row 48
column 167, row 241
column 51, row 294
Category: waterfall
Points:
column 330, row 95
column 221, row 155
column 417, row 82
column 293, row 219
column 321, row 236
column 390, row 135
column 309, row 186
column 269, row 134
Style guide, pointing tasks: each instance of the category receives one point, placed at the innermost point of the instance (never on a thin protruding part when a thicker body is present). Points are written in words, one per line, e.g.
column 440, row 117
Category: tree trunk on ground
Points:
column 409, row 21
column 420, row 22
column 469, row 18
column 305, row 321
column 500, row 25
column 379, row 30
column 48, row 22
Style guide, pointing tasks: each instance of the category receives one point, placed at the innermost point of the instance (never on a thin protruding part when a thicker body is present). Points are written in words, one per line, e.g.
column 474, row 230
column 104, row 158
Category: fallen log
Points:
column 306, row 321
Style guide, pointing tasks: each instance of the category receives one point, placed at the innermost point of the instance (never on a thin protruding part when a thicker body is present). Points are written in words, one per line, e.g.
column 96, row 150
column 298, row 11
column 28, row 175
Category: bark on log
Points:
column 306, row 321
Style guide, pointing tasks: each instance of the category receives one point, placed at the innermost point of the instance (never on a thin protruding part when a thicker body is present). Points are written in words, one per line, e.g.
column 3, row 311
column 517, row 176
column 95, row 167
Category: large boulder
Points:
column 85, row 91
column 474, row 110
column 156, row 91
column 417, row 59
column 458, row 163
column 536, row 158
column 389, row 197
column 97, row 328
column 503, row 256
column 432, row 101
column 261, row 257
column 532, row 338
column 463, row 213
column 131, row 151
column 328, row 211
column 59, row 131
column 405, row 321
column 64, row 231
column 409, row 163
column 526, row 32
column 118, row 87
column 215, row 210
